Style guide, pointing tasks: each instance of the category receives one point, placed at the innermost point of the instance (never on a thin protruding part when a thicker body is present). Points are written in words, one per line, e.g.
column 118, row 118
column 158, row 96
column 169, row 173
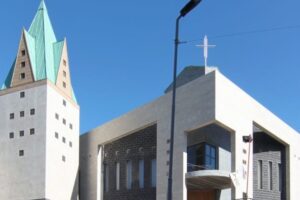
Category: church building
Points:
column 227, row 146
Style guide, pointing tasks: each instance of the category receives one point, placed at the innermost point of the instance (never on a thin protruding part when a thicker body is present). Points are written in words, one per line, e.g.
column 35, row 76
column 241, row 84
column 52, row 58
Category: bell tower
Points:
column 39, row 118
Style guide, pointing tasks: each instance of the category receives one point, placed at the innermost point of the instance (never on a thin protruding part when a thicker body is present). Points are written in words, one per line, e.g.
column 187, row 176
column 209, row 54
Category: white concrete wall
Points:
column 238, row 111
column 23, row 177
column 40, row 173
column 61, row 175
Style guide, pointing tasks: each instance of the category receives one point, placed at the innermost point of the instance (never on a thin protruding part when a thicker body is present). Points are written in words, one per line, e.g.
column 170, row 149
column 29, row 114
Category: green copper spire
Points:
column 44, row 51
column 41, row 29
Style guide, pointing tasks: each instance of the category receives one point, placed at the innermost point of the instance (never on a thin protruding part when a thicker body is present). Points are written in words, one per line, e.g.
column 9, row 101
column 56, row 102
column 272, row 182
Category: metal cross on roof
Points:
column 205, row 47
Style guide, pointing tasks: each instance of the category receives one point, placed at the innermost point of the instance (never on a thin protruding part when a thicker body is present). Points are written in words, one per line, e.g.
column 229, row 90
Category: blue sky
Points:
column 121, row 52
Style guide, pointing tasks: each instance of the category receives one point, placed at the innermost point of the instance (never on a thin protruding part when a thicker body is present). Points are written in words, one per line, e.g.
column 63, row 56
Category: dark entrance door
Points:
column 201, row 195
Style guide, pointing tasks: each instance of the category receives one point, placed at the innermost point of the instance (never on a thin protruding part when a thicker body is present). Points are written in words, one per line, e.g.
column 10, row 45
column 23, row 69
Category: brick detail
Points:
column 63, row 76
column 268, row 150
column 129, row 148
column 19, row 68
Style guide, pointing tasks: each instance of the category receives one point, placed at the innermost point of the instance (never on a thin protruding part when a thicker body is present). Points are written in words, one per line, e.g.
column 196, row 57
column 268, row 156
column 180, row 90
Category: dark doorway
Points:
column 201, row 195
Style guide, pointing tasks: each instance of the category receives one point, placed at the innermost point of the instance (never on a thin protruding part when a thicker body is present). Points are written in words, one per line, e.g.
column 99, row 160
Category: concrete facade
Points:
column 37, row 173
column 62, row 153
column 23, row 177
column 210, row 99
column 39, row 119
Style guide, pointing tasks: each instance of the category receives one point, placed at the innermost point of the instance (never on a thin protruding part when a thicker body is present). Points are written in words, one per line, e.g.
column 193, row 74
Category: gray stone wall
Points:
column 268, row 150
column 134, row 147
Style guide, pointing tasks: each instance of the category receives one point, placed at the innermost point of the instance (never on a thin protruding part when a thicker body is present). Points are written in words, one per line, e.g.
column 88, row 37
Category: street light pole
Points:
column 177, row 42
column 185, row 10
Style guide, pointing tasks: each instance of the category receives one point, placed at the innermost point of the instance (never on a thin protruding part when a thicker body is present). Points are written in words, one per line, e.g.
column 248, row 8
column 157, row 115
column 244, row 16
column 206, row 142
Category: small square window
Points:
column 64, row 140
column 71, row 126
column 65, row 73
column 64, row 103
column 22, row 76
column 56, row 116
column 23, row 52
column 64, row 84
column 22, row 94
column 11, row 135
column 56, row 135
column 21, row 153
column 32, row 131
column 70, row 144
column 65, row 62
column 64, row 121
column 63, row 158
column 22, row 113
column 11, row 116
column 23, row 64
column 22, row 133
column 32, row 111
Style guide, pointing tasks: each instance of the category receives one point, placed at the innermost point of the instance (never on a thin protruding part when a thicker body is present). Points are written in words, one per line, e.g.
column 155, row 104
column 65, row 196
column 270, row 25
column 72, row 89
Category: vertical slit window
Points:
column 106, row 177
column 128, row 174
column 270, row 171
column 260, row 175
column 280, row 177
column 141, row 173
column 153, row 173
column 117, row 176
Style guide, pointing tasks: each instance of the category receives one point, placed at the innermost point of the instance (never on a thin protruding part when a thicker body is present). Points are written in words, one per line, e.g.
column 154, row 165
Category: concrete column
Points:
column 184, row 171
column 240, row 161
column 100, row 174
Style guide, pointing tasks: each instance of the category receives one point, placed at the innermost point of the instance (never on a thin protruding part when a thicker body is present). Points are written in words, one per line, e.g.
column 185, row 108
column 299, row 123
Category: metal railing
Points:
column 193, row 167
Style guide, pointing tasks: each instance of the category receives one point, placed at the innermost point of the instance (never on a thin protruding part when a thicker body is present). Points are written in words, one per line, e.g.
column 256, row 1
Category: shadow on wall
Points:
column 75, row 195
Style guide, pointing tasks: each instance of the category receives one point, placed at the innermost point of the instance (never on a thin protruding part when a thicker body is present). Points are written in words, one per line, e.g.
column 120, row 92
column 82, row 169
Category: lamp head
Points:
column 189, row 6
column 247, row 139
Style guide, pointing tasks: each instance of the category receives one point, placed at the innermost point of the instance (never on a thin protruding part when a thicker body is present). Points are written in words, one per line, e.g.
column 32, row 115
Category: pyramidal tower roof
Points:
column 45, row 52
column 42, row 44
